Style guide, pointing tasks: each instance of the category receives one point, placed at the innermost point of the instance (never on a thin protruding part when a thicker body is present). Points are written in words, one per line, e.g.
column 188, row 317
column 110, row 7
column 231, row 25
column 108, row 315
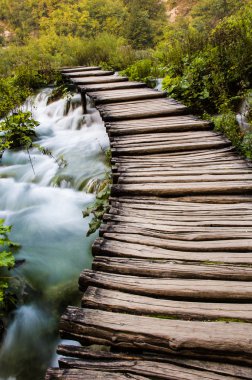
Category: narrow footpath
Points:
column 170, row 290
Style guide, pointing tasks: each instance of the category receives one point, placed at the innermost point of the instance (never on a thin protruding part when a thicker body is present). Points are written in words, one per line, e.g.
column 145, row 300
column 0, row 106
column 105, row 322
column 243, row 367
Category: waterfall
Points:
column 45, row 210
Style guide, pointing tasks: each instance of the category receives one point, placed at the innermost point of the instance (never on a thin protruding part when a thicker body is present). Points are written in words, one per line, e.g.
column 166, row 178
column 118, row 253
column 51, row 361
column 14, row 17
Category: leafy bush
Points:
column 7, row 260
column 143, row 70
column 228, row 124
column 212, row 72
column 17, row 131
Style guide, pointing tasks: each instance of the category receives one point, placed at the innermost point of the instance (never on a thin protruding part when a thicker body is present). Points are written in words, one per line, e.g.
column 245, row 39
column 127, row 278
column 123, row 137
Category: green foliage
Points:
column 246, row 145
column 11, row 96
column 143, row 70
column 7, row 260
column 145, row 22
column 17, row 131
column 212, row 72
column 100, row 206
column 227, row 124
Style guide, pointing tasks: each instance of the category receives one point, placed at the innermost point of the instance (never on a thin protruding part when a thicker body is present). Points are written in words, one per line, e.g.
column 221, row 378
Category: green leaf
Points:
column 7, row 259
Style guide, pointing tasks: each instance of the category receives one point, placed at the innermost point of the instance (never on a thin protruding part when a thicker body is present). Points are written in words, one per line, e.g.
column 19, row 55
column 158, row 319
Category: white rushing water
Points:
column 45, row 209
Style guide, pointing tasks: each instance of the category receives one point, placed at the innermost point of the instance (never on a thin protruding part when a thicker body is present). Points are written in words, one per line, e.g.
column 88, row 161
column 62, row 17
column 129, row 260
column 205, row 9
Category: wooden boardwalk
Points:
column 169, row 295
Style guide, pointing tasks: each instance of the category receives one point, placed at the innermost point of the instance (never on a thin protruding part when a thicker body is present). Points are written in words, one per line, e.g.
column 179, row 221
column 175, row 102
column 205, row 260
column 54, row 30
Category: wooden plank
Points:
column 242, row 372
column 124, row 179
column 187, row 289
column 145, row 368
column 183, row 214
column 193, row 188
column 170, row 269
column 141, row 251
column 115, row 301
column 161, row 335
column 171, row 136
column 143, row 171
column 176, row 223
column 117, row 96
column 244, row 203
column 80, row 374
column 111, row 86
column 79, row 68
column 140, row 109
column 181, row 232
column 190, row 146
column 84, row 74
column 155, row 123
column 98, row 80
column 239, row 245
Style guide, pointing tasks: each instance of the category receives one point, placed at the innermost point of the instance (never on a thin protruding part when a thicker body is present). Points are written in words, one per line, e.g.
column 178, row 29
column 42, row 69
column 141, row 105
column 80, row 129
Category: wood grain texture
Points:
column 116, row 301
column 98, row 79
column 145, row 368
column 241, row 371
column 79, row 68
column 163, row 335
column 87, row 73
column 140, row 109
column 110, row 86
column 175, row 288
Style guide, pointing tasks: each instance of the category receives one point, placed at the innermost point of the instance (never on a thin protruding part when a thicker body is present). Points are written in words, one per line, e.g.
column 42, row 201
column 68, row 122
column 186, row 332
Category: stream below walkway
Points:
column 45, row 209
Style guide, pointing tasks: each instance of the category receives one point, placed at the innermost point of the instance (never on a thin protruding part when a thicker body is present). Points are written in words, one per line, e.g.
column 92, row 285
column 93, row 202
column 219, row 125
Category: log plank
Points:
column 187, row 289
column 161, row 335
column 115, row 301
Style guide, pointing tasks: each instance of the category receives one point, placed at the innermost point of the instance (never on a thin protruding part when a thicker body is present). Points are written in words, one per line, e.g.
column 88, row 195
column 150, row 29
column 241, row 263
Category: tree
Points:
column 145, row 22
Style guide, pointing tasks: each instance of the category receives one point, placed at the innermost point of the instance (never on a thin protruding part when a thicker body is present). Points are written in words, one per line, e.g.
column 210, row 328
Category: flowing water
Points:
column 44, row 203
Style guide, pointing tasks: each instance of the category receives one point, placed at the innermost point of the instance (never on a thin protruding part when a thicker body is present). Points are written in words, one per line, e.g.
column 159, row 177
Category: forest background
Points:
column 202, row 48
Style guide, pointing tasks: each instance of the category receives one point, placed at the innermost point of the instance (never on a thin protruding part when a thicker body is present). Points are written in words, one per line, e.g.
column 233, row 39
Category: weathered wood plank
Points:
column 84, row 74
column 163, row 124
column 117, row 96
column 157, row 136
column 239, row 245
column 187, row 289
column 170, row 269
column 211, row 222
column 193, row 188
column 115, row 301
column 140, row 109
column 79, row 68
column 161, row 148
column 243, row 203
column 162, row 335
column 111, row 86
column 243, row 372
column 145, row 368
column 80, row 374
column 124, row 179
column 98, row 80
column 185, row 233
column 129, row 250
column 183, row 214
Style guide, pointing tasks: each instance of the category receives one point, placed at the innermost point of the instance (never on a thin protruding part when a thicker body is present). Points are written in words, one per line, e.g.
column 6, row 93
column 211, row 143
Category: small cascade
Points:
column 45, row 210
column 242, row 116
column 159, row 83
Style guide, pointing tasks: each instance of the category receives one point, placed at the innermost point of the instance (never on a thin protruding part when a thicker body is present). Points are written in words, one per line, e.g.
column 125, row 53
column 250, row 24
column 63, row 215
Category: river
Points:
column 45, row 208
